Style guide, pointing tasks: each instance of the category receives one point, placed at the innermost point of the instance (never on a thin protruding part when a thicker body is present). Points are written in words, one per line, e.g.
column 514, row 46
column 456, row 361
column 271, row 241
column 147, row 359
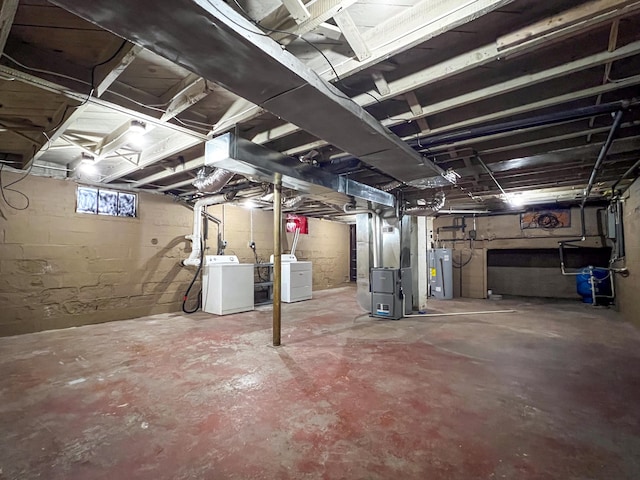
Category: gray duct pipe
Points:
column 214, row 182
column 431, row 207
column 293, row 202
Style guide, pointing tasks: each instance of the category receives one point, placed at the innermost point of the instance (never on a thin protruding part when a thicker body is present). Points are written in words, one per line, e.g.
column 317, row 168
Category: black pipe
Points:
column 484, row 165
column 624, row 175
column 603, row 153
column 532, row 122
column 594, row 173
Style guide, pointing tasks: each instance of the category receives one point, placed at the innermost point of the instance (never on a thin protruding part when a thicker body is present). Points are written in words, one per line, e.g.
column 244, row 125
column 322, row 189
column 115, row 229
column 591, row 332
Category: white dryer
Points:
column 297, row 279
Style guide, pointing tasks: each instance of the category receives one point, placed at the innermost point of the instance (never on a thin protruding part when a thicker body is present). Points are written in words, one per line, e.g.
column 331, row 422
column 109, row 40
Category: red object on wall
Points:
column 296, row 221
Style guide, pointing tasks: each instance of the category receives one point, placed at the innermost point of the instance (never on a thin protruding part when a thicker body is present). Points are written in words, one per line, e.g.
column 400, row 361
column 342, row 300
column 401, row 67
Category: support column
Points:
column 277, row 260
column 431, row 244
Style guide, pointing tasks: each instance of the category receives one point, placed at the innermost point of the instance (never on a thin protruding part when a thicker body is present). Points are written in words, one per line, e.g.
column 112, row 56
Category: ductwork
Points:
column 239, row 155
column 427, row 208
column 211, row 39
column 213, row 183
column 387, row 187
column 196, row 236
column 293, row 202
column 375, row 225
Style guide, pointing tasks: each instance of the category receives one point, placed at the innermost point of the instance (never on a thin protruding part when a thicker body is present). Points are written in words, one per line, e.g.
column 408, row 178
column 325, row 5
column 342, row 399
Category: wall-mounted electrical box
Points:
column 441, row 273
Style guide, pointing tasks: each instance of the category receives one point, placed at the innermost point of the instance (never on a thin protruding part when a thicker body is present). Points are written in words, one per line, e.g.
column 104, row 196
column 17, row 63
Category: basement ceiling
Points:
column 456, row 84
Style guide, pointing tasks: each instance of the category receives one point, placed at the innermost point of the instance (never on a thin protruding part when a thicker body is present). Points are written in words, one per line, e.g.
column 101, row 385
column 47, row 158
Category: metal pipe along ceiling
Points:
column 211, row 39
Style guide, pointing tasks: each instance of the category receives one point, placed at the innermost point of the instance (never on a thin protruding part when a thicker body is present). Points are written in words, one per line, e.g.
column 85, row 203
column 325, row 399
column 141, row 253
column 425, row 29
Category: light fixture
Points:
column 137, row 127
column 250, row 204
column 87, row 164
column 516, row 200
column 136, row 132
column 129, row 134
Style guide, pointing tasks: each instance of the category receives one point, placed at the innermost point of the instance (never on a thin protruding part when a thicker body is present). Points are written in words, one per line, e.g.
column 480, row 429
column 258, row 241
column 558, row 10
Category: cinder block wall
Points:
column 504, row 232
column 326, row 245
column 628, row 289
column 60, row 269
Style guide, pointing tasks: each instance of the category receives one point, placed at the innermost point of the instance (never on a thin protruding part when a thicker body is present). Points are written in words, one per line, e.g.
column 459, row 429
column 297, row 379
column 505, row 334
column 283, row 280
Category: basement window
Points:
column 98, row 201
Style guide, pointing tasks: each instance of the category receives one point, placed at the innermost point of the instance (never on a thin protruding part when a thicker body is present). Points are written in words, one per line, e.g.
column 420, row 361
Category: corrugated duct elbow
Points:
column 213, row 183
column 427, row 208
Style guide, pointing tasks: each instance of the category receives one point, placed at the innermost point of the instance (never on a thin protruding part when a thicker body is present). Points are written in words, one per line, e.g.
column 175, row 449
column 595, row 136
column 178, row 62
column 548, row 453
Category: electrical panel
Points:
column 441, row 273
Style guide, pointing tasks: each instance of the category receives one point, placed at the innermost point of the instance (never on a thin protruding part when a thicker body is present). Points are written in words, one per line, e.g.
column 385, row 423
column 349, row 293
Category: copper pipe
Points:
column 277, row 261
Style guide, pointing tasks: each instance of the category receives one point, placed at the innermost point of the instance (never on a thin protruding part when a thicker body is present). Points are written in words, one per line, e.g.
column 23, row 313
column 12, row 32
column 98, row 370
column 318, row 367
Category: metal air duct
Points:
column 239, row 155
column 213, row 183
column 211, row 39
column 427, row 208
column 293, row 202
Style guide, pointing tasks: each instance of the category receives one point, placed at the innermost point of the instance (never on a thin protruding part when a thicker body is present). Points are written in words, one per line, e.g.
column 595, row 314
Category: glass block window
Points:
column 100, row 201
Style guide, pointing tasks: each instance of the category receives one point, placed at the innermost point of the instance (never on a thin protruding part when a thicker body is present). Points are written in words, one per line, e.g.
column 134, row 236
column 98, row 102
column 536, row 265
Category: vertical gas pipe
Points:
column 277, row 260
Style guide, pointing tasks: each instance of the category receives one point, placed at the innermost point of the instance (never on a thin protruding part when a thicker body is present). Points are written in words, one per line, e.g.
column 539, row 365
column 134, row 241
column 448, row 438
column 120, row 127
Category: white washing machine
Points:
column 297, row 279
column 227, row 285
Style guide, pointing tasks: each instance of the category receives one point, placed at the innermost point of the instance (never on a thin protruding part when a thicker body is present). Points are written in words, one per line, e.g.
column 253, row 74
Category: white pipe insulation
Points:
column 196, row 236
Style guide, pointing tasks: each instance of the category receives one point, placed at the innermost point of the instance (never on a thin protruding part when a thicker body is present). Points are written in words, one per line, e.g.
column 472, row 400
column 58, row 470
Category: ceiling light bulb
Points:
column 86, row 158
column 135, row 135
column 88, row 168
column 516, row 200
column 138, row 126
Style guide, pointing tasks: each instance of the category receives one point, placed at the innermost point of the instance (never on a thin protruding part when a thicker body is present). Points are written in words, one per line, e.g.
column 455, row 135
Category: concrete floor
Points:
column 551, row 392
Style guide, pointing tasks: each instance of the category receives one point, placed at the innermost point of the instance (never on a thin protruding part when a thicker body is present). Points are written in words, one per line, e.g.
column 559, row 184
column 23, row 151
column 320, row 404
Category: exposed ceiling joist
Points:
column 176, row 185
column 279, row 82
column 66, row 116
column 412, row 26
column 329, row 31
column 582, row 13
column 187, row 166
column 72, row 94
column 320, row 11
column 414, row 104
column 103, row 78
column 172, row 144
column 498, row 89
column 533, row 106
column 559, row 138
column 461, row 63
column 519, row 82
column 241, row 110
column 350, row 31
column 297, row 9
column 7, row 14
column 381, row 83
column 74, row 81
column 186, row 93
column 108, row 73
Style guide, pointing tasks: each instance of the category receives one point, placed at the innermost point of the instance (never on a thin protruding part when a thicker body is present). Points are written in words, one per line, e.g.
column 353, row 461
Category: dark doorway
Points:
column 353, row 267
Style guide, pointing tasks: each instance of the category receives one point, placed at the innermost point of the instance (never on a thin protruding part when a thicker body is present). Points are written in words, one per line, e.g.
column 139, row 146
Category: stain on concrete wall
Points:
column 59, row 268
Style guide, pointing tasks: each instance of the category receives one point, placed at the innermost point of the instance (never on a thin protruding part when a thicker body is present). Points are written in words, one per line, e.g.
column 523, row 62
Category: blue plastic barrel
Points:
column 601, row 279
